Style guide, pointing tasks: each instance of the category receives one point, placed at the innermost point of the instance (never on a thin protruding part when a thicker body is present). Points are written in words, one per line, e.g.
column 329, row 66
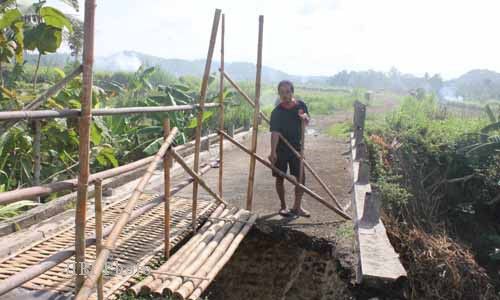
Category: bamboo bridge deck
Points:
column 139, row 244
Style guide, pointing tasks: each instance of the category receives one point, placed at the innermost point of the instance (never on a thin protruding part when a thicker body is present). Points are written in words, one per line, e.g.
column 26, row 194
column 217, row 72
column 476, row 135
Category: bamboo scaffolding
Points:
column 291, row 179
column 296, row 153
column 196, row 176
column 167, row 162
column 71, row 184
column 84, row 138
column 50, row 262
column 44, row 97
column 70, row 113
column 109, row 245
column 203, row 95
column 222, row 261
column 221, row 103
column 255, row 129
column 98, row 232
column 151, row 282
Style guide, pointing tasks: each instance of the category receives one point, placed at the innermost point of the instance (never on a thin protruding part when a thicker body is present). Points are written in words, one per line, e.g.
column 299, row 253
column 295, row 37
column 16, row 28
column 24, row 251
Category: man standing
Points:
column 286, row 119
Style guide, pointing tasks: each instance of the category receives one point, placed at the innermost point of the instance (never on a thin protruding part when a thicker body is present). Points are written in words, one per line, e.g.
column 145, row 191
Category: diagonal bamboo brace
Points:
column 295, row 152
column 195, row 176
column 291, row 179
column 118, row 226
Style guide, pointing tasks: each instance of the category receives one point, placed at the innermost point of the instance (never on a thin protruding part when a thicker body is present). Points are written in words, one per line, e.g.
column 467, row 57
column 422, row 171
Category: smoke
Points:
column 123, row 61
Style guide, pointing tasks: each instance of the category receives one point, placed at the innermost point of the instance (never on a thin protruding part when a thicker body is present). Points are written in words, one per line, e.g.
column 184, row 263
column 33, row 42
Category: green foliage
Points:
column 13, row 209
column 340, row 130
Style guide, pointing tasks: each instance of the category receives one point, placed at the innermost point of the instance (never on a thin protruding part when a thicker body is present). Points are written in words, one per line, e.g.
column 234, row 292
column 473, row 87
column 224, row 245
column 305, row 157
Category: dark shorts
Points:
column 286, row 161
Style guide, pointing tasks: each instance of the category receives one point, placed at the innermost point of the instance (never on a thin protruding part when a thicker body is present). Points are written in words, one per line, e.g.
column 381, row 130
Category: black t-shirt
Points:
column 287, row 122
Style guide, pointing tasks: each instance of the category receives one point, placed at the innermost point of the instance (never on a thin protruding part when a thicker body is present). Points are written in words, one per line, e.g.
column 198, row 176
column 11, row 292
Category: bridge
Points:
column 157, row 233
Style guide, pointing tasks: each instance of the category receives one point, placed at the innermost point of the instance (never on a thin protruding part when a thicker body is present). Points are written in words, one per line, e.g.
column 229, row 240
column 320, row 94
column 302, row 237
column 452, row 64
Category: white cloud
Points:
column 313, row 37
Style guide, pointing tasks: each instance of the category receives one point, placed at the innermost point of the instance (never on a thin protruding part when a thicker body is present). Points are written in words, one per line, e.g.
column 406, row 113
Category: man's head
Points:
column 285, row 90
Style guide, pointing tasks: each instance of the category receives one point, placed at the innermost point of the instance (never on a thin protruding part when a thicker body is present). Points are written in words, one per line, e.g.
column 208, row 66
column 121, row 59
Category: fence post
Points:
column 167, row 162
column 37, row 158
column 359, row 121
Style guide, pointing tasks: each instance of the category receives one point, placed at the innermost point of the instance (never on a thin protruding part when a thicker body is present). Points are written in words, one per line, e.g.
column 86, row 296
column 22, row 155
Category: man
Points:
column 286, row 119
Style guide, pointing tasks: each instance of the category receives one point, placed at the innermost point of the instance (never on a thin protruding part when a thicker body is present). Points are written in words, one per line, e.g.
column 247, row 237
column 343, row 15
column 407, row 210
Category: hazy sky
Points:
column 314, row 37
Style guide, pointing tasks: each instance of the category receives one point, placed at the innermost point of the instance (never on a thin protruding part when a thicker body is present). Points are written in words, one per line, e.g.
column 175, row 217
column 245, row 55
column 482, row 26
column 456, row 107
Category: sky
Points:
column 313, row 37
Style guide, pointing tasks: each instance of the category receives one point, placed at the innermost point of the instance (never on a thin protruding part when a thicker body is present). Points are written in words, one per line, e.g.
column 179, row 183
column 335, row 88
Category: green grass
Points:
column 340, row 130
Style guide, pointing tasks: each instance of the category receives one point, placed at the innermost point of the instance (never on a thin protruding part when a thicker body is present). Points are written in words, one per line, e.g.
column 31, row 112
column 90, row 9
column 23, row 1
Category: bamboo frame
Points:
column 203, row 95
column 297, row 154
column 98, row 232
column 70, row 113
column 57, row 258
column 84, row 146
column 167, row 162
column 255, row 129
column 118, row 226
column 291, row 179
column 221, row 103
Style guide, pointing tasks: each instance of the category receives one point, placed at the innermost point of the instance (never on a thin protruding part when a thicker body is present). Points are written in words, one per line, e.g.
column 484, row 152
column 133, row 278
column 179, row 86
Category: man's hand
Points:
column 273, row 158
column 304, row 118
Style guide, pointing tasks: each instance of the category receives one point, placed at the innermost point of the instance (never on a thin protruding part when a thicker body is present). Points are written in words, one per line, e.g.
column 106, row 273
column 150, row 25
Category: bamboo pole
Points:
column 296, row 153
column 303, row 141
column 152, row 282
column 223, row 260
column 291, row 179
column 221, row 103
column 208, row 249
column 98, row 232
column 203, row 94
column 70, row 113
column 118, row 226
column 145, row 286
column 167, row 162
column 255, row 129
column 195, row 175
column 204, row 266
column 36, row 151
column 50, row 262
column 84, row 146
column 31, row 192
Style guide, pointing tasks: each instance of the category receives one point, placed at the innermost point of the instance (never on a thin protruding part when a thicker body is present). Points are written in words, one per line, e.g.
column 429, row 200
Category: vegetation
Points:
column 439, row 178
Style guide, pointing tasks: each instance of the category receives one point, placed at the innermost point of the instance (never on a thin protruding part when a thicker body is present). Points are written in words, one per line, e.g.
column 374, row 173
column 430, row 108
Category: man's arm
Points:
column 275, row 136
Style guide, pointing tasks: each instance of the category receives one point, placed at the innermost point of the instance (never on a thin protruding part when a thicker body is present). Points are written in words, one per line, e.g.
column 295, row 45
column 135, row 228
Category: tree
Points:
column 75, row 38
column 11, row 37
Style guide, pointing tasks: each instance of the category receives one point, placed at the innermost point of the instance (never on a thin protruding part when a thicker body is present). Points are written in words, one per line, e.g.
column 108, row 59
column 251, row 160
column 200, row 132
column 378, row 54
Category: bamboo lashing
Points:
column 98, row 232
column 255, row 129
column 84, row 139
column 291, row 179
column 98, row 266
column 297, row 154
column 167, row 162
column 53, row 260
column 196, row 176
column 203, row 95
column 221, row 103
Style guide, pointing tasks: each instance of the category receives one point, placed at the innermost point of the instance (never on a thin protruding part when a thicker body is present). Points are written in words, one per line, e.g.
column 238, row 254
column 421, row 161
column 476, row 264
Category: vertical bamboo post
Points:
column 256, row 114
column 37, row 158
column 167, row 162
column 98, row 232
column 302, row 145
column 221, row 108
column 84, row 147
column 203, row 95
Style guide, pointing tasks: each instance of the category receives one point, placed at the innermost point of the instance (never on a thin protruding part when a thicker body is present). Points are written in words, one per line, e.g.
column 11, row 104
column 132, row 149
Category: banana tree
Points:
column 11, row 38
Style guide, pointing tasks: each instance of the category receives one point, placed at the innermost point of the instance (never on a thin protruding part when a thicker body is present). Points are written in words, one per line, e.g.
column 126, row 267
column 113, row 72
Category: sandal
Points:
column 285, row 212
column 301, row 212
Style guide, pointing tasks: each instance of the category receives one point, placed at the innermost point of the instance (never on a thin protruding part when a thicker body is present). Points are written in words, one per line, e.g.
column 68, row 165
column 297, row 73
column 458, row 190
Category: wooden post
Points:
column 84, row 147
column 37, row 158
column 303, row 141
column 167, row 162
column 221, row 102
column 98, row 232
column 255, row 131
column 203, row 94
